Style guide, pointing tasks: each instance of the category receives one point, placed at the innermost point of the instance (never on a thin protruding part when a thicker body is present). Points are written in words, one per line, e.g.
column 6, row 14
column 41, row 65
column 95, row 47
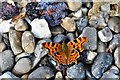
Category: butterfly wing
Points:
column 73, row 55
column 77, row 43
column 53, row 47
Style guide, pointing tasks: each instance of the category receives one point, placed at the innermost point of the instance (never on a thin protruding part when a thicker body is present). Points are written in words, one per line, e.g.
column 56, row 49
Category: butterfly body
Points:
column 65, row 54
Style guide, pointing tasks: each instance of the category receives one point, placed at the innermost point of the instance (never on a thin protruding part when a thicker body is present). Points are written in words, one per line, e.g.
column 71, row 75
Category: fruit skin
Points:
column 7, row 10
column 53, row 12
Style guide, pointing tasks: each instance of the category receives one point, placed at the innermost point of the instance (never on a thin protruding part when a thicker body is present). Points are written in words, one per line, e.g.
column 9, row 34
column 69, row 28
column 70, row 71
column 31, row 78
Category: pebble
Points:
column 82, row 23
column 58, row 76
column 105, row 34
column 101, row 46
column 57, row 30
column 76, row 15
column 101, row 64
column 105, row 8
column 15, row 41
column 114, row 24
column 117, row 57
column 84, row 10
column 25, row 77
column 40, row 52
column 68, row 24
column 114, row 42
column 40, row 28
column 76, row 71
column 6, row 60
column 91, row 35
column 21, row 25
column 2, row 46
column 28, row 42
column 59, row 38
column 90, row 57
column 9, row 76
column 5, row 26
column 41, row 72
column 71, row 36
column 22, row 66
column 74, row 5
column 112, row 73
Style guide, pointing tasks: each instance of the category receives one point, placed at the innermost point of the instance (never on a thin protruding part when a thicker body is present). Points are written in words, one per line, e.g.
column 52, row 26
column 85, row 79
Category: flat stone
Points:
column 21, row 25
column 41, row 72
column 105, row 34
column 40, row 28
column 28, row 42
column 6, row 60
column 112, row 73
column 22, row 66
column 76, row 71
column 91, row 35
column 15, row 41
column 101, row 64
column 68, row 24
column 114, row 24
column 117, row 57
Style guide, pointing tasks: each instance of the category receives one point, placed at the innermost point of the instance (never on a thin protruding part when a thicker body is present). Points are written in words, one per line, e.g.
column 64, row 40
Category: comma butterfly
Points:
column 65, row 54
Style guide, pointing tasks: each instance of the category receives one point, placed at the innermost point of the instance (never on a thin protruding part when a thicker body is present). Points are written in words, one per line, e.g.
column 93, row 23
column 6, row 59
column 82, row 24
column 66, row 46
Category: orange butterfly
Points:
column 65, row 54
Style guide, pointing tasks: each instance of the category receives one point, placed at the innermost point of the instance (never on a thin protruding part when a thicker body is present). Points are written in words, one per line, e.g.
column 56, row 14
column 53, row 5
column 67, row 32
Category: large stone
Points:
column 40, row 28
column 91, row 35
column 6, row 60
column 28, row 42
column 15, row 41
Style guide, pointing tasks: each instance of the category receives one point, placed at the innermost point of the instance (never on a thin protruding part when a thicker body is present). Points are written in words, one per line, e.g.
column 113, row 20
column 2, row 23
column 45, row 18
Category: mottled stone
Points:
column 22, row 66
column 6, row 60
column 101, row 46
column 15, row 41
column 91, row 35
column 28, row 42
column 101, row 64
column 41, row 72
column 76, row 71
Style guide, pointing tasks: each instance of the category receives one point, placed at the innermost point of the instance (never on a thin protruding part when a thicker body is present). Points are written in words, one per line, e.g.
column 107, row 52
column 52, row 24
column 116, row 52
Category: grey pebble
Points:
column 117, row 57
column 105, row 34
column 71, row 36
column 76, row 71
column 91, row 34
column 41, row 72
column 59, row 38
column 101, row 46
column 6, row 60
column 23, row 66
column 101, row 64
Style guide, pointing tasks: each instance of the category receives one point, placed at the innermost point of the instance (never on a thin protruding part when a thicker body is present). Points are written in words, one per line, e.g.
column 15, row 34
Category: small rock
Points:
column 91, row 35
column 114, row 24
column 105, row 34
column 6, row 60
column 9, row 76
column 71, row 36
column 57, row 30
column 101, row 46
column 115, row 42
column 117, row 57
column 40, row 28
column 22, row 55
column 74, row 5
column 22, row 66
column 82, row 23
column 24, row 77
column 59, row 38
column 112, row 73
column 41, row 72
column 58, row 76
column 5, row 26
column 101, row 64
column 68, row 24
column 40, row 51
column 105, row 8
column 28, row 42
column 90, row 56
column 21, row 25
column 84, row 10
column 76, row 15
column 2, row 46
column 15, row 41
column 76, row 71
